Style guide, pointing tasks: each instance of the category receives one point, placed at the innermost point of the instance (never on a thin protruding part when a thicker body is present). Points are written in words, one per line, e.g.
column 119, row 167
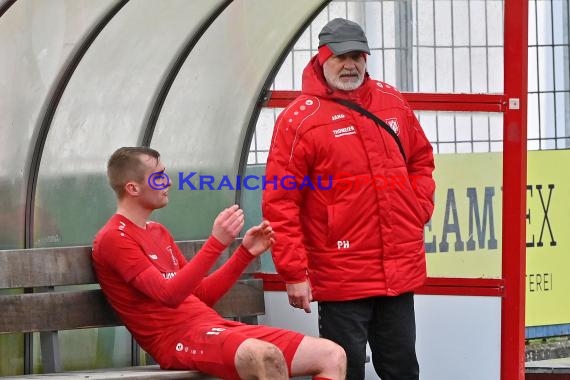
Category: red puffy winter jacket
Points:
column 346, row 208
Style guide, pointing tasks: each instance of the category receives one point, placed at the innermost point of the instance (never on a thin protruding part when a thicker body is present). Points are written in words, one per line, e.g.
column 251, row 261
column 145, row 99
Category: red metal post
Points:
column 514, row 190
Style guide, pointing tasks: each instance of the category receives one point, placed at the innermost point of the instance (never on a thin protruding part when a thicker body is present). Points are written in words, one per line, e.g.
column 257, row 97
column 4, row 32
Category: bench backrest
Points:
column 56, row 289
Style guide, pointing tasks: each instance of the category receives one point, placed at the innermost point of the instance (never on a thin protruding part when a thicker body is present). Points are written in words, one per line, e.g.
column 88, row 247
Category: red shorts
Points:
column 212, row 348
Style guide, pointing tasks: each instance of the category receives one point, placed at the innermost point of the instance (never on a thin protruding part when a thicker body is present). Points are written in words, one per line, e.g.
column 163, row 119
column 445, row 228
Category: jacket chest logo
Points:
column 338, row 116
column 345, row 131
column 393, row 123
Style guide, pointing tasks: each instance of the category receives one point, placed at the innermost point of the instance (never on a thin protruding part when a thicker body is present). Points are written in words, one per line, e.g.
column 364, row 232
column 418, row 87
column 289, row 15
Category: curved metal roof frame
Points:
column 48, row 111
column 264, row 95
column 110, row 90
column 203, row 126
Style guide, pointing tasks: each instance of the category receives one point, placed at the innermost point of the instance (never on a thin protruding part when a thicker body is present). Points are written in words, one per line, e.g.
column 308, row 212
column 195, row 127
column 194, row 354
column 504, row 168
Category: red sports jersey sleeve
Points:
column 213, row 287
column 172, row 291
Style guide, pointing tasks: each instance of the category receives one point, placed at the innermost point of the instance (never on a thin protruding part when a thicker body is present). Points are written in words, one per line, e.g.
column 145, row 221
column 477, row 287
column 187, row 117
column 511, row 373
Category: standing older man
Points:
column 355, row 242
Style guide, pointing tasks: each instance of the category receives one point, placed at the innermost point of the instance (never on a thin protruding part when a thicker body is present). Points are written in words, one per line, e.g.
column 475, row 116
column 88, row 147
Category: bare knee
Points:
column 256, row 359
column 271, row 357
column 332, row 360
column 336, row 356
column 319, row 357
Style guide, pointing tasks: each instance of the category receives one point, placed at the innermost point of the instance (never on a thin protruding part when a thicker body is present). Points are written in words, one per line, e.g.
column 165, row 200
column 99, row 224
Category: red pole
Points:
column 514, row 190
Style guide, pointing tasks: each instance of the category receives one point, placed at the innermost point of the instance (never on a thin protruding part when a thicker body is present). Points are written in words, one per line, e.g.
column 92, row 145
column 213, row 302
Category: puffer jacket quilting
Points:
column 351, row 211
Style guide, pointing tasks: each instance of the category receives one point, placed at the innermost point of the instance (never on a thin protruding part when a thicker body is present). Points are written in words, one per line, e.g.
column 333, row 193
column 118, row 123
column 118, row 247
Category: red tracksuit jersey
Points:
column 156, row 293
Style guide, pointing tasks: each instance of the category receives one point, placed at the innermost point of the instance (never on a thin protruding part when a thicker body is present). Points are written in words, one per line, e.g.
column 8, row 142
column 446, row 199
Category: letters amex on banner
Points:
column 192, row 181
column 463, row 239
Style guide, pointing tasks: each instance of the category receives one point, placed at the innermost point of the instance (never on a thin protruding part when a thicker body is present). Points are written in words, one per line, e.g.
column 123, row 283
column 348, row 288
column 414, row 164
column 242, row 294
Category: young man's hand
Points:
column 228, row 224
column 259, row 239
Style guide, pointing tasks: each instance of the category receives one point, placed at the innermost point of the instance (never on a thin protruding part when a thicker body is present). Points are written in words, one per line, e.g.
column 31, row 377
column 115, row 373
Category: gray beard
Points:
column 347, row 86
column 337, row 84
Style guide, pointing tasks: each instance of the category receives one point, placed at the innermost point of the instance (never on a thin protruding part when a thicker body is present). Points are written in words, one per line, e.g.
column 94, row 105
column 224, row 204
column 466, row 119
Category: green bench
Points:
column 56, row 289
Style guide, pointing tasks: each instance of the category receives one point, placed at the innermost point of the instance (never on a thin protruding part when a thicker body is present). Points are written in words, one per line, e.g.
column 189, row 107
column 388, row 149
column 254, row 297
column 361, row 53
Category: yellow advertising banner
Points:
column 463, row 238
column 548, row 238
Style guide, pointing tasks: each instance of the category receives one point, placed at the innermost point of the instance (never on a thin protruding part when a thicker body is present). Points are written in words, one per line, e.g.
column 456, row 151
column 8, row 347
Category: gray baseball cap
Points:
column 343, row 36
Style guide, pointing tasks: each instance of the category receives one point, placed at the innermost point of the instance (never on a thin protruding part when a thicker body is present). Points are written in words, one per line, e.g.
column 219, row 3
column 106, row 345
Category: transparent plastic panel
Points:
column 463, row 237
column 104, row 107
column 36, row 38
column 202, row 126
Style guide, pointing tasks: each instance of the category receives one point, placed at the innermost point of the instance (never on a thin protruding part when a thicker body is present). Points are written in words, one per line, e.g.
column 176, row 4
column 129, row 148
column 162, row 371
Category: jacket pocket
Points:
column 422, row 214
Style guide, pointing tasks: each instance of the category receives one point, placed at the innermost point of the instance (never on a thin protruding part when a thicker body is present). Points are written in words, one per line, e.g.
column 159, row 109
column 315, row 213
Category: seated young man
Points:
column 166, row 301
